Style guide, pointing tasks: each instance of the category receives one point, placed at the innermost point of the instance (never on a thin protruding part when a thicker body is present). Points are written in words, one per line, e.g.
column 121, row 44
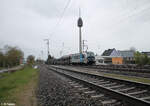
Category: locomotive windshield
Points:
column 89, row 54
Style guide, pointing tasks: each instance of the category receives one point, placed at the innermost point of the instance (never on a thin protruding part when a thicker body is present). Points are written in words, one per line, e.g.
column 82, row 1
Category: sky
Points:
column 119, row 24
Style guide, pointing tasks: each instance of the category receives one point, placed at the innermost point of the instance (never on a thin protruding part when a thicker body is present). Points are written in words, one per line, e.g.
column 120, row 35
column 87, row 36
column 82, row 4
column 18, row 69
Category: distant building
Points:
column 111, row 52
column 146, row 53
column 22, row 61
column 128, row 56
column 117, row 60
column 112, row 56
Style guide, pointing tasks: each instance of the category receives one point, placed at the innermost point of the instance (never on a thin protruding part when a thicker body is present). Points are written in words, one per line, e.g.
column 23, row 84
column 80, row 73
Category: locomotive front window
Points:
column 90, row 54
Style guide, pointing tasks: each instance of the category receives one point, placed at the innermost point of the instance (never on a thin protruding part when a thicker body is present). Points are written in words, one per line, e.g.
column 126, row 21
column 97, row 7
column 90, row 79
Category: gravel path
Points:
column 54, row 90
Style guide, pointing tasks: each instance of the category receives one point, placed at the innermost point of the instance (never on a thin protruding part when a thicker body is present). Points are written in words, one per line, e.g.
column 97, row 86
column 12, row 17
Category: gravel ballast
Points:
column 54, row 90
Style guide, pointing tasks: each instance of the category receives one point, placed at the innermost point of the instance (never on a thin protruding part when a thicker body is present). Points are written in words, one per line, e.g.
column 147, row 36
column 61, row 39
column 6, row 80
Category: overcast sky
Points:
column 118, row 24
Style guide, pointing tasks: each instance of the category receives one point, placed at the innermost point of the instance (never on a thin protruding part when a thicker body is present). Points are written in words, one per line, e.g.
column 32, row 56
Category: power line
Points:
column 136, row 12
column 61, row 16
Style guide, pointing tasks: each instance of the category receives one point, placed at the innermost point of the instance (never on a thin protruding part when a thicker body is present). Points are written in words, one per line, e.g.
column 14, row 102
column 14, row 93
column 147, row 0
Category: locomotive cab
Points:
column 90, row 57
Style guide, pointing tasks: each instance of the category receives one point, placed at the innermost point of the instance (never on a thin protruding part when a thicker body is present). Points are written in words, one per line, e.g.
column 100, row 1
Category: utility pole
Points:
column 80, row 24
column 61, row 51
column 42, row 55
column 84, row 44
column 86, row 48
column 47, row 46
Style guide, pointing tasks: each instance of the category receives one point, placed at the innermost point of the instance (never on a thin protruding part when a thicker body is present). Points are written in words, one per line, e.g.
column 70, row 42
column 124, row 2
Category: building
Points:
column 128, row 56
column 111, row 52
column 146, row 53
column 117, row 60
column 112, row 56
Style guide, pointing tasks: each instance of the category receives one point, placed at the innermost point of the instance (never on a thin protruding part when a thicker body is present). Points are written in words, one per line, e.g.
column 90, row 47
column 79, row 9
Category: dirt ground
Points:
column 27, row 97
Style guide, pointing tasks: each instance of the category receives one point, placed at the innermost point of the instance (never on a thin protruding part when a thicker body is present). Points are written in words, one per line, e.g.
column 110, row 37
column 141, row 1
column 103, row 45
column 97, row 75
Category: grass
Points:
column 125, row 77
column 13, row 83
column 1, row 68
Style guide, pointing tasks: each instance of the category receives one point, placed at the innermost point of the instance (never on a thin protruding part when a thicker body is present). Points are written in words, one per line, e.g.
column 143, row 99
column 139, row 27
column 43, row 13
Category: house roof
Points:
column 108, row 52
column 126, row 53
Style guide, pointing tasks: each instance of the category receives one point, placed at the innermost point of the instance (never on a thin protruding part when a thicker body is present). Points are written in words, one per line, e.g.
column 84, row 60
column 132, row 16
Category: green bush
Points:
column 149, row 62
column 141, row 59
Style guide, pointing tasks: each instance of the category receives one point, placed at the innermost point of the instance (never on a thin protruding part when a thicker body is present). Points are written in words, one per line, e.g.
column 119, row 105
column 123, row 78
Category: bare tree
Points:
column 30, row 59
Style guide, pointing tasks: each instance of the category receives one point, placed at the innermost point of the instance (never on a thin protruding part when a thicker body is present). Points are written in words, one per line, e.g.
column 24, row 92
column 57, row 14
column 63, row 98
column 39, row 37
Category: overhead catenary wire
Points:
column 61, row 17
column 130, row 14
column 135, row 12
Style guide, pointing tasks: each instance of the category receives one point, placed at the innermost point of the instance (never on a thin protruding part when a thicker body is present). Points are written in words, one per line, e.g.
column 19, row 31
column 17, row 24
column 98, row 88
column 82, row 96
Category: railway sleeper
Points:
column 71, row 82
column 78, row 86
column 138, row 92
column 109, row 85
column 105, row 82
column 97, row 96
column 95, row 81
column 126, row 89
column 89, row 92
column 145, row 98
column 117, row 86
column 117, row 104
column 83, row 89
column 108, row 102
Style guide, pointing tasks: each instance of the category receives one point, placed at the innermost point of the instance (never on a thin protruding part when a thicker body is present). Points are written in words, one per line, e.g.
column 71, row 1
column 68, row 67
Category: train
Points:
column 87, row 58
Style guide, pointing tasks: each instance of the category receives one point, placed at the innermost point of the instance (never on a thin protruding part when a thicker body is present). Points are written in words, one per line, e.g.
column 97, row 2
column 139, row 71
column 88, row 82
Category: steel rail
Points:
column 113, row 93
column 107, row 77
column 138, row 70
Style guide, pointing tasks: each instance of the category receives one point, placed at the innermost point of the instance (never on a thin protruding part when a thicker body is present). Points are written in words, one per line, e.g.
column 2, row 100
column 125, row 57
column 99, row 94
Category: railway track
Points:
column 108, row 91
column 119, row 72
column 117, row 68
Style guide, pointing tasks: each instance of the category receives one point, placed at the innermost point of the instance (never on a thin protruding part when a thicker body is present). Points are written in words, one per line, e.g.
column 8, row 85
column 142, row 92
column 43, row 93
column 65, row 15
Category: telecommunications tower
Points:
column 80, row 24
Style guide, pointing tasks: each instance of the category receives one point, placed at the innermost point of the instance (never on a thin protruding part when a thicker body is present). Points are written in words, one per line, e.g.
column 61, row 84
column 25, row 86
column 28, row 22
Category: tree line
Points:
column 13, row 56
column 10, row 56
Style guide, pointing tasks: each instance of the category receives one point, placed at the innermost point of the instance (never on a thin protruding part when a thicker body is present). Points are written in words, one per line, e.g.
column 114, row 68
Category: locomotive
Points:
column 77, row 58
